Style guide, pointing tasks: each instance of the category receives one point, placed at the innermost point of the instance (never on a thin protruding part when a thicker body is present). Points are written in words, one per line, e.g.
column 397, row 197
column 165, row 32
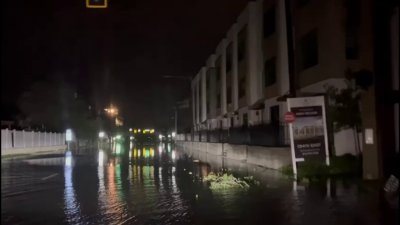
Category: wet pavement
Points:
column 163, row 185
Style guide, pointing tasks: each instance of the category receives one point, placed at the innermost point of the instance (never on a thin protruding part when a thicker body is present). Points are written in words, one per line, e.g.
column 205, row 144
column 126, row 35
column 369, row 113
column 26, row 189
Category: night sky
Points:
column 119, row 54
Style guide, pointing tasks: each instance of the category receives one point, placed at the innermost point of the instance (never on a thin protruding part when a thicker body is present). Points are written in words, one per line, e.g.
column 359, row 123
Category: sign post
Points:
column 308, row 130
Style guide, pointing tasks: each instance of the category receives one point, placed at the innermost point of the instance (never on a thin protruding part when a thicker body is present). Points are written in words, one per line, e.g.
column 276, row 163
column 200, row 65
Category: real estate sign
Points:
column 308, row 132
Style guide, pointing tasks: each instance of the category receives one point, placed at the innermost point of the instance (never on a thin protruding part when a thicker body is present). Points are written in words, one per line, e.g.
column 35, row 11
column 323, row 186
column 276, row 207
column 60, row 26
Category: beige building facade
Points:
column 240, row 83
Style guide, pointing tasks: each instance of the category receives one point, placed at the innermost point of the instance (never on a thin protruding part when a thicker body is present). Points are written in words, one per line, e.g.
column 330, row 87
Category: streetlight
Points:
column 101, row 134
column 68, row 136
column 111, row 111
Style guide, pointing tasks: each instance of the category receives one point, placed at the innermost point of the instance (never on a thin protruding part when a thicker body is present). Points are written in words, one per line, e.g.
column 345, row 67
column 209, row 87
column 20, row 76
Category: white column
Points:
column 203, row 94
column 198, row 86
column 282, row 68
column 235, row 86
column 14, row 133
column 193, row 103
column 6, row 138
column 210, row 71
column 223, row 80
column 23, row 138
column 254, row 53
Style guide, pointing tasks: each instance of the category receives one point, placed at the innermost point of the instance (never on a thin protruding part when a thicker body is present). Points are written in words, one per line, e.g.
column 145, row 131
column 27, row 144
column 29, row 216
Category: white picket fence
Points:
column 14, row 139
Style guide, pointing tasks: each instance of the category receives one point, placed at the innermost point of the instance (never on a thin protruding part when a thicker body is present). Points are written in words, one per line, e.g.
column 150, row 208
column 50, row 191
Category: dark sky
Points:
column 119, row 54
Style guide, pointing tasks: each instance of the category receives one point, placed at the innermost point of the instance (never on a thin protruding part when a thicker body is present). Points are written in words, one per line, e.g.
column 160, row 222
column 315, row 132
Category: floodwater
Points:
column 163, row 185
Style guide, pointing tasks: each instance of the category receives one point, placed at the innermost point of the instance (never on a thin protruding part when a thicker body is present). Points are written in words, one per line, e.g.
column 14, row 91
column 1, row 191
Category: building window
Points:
column 309, row 50
column 218, row 100
column 302, row 3
column 352, row 28
column 270, row 72
column 218, row 69
column 218, row 75
column 208, row 88
column 229, row 95
column 245, row 120
column 218, row 81
column 274, row 115
column 242, row 87
column 195, row 104
column 351, row 46
column 242, row 43
column 200, row 101
column 229, row 58
column 208, row 81
column 269, row 22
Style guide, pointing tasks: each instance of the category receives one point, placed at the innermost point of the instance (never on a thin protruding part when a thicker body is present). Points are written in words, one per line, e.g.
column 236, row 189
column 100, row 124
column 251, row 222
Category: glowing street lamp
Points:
column 102, row 134
column 173, row 134
column 112, row 111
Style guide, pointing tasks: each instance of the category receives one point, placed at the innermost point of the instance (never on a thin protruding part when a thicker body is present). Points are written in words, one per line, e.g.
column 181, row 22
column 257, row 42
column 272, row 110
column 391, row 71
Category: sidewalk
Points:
column 10, row 153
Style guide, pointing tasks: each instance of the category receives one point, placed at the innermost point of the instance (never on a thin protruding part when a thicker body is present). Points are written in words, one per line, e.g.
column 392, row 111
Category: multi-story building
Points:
column 242, row 81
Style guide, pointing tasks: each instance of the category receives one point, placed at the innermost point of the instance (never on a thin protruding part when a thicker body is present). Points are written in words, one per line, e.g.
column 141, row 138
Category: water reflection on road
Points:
column 132, row 184
column 72, row 211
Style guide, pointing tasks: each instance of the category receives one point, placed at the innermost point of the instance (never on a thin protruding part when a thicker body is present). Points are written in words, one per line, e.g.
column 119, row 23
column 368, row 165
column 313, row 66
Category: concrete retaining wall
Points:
column 236, row 152
column 270, row 157
column 18, row 151
column 211, row 148
column 215, row 148
column 275, row 158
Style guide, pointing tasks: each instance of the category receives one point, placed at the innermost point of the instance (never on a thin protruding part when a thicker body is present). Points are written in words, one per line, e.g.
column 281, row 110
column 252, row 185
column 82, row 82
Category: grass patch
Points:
column 340, row 166
column 228, row 181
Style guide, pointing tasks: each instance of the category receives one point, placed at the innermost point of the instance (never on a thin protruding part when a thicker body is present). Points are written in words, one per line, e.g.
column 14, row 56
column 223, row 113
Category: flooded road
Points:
column 163, row 185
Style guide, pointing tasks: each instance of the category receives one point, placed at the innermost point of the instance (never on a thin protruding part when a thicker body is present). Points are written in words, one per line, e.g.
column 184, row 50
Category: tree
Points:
column 57, row 106
column 345, row 103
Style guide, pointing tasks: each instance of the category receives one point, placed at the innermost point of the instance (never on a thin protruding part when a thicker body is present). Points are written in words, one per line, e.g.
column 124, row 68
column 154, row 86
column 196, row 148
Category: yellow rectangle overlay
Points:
column 88, row 5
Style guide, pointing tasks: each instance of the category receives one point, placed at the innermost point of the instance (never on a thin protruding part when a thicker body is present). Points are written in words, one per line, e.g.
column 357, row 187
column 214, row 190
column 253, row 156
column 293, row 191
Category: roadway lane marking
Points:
column 51, row 176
